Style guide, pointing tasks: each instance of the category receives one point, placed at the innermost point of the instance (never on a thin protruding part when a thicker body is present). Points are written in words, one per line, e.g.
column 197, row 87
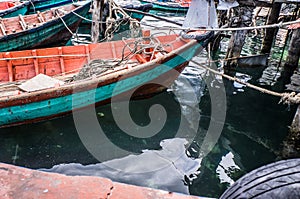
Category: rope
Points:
column 139, row 46
column 110, row 22
column 98, row 67
column 32, row 4
column 89, row 20
column 56, row 12
column 286, row 98
column 278, row 25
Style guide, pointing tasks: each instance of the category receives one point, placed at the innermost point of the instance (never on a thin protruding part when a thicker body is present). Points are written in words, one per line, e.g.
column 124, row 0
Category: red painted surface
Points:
column 5, row 5
column 294, row 26
column 48, row 61
column 18, row 182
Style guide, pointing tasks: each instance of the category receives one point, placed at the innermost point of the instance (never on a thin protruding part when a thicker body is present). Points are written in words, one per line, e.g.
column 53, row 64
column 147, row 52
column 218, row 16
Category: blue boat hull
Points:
column 41, row 5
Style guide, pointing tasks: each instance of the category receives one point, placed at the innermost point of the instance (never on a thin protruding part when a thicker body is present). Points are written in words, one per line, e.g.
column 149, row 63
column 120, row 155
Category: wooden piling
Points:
column 293, row 55
column 271, row 32
column 291, row 145
column 237, row 39
column 96, row 17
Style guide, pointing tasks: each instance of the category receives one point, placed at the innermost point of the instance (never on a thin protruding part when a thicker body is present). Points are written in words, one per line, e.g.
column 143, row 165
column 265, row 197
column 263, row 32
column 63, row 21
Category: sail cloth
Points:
column 201, row 14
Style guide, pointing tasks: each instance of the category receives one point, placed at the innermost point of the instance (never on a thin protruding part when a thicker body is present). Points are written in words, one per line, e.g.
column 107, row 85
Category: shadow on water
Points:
column 253, row 133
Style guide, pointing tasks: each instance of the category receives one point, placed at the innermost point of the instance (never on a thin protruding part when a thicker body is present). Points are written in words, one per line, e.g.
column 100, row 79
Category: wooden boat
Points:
column 138, row 16
column 13, row 8
column 170, row 6
column 70, row 74
column 42, row 5
column 47, row 28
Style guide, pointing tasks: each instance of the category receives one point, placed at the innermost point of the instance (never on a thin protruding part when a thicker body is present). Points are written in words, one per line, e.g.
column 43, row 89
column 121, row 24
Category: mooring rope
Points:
column 140, row 46
column 86, row 19
column 32, row 4
column 278, row 25
column 56, row 12
column 286, row 98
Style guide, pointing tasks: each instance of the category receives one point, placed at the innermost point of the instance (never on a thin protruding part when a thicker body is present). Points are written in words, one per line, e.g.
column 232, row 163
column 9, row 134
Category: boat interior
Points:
column 65, row 63
column 21, row 23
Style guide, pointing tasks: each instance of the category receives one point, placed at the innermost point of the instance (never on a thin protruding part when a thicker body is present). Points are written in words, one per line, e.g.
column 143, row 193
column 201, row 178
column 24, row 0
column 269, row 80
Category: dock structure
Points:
column 291, row 145
column 270, row 33
column 242, row 17
column 274, row 14
column 292, row 60
column 18, row 182
column 96, row 27
column 269, row 3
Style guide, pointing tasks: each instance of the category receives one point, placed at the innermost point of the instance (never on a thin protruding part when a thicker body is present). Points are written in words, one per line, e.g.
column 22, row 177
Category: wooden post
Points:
column 222, row 18
column 291, row 145
column 293, row 56
column 237, row 39
column 235, row 46
column 96, row 17
column 271, row 32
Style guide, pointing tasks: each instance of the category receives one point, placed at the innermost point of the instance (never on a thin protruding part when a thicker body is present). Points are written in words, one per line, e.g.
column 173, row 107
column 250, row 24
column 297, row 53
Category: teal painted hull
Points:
column 53, row 107
column 165, row 7
column 136, row 16
column 21, row 11
column 13, row 12
column 41, row 5
column 49, row 34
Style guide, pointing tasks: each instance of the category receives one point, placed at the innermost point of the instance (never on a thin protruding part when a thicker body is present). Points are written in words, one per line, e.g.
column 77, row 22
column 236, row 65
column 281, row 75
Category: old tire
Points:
column 277, row 180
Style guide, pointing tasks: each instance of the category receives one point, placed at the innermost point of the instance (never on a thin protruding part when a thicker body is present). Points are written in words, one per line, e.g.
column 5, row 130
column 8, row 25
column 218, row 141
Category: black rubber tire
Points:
column 277, row 180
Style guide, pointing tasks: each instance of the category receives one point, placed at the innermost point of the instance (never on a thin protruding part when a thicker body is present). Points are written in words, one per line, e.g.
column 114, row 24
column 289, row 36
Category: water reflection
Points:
column 226, row 168
column 169, row 168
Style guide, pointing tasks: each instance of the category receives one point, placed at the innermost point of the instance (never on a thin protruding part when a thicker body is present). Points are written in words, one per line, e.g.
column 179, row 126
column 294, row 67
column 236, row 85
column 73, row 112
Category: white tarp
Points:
column 201, row 13
column 40, row 82
column 227, row 4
